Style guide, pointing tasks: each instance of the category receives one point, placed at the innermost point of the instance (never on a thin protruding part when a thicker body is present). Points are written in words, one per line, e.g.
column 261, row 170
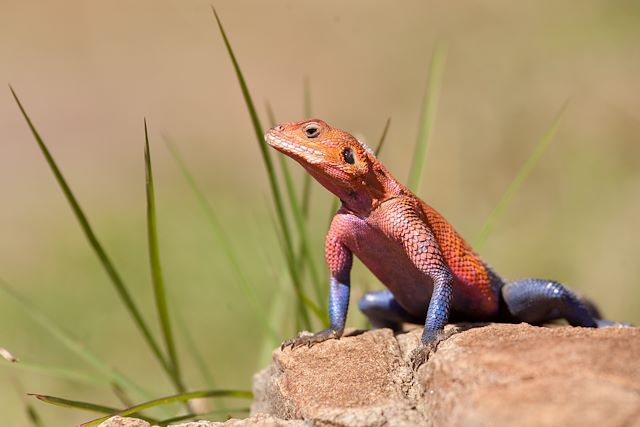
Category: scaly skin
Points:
column 429, row 270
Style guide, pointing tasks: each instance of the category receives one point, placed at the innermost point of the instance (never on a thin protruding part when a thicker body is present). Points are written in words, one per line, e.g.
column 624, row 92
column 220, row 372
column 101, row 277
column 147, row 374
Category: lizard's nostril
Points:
column 279, row 128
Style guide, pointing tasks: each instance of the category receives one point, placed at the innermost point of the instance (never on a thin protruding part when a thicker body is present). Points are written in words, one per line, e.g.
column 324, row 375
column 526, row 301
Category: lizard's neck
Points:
column 365, row 195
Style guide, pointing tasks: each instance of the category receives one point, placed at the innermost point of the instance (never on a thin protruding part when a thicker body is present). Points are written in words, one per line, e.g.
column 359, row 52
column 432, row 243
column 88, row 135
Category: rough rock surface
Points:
column 498, row 375
column 258, row 420
column 491, row 375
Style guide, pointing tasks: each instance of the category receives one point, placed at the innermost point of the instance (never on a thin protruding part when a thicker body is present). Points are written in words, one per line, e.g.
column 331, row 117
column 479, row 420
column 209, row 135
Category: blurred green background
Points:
column 88, row 72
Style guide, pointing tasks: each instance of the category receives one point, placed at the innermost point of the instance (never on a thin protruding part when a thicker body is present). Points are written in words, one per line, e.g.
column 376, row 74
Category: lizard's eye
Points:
column 347, row 155
column 312, row 130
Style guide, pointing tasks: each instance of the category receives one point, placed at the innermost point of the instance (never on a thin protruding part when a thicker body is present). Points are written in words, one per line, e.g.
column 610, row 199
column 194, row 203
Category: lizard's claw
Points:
column 309, row 340
column 421, row 354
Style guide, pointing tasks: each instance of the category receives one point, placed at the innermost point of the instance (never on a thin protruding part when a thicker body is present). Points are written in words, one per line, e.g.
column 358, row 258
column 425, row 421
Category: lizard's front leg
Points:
column 339, row 258
column 406, row 224
column 437, row 318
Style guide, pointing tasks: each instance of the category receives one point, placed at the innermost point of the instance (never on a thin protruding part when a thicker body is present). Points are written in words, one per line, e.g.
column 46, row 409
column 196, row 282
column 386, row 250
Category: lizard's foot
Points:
column 429, row 344
column 311, row 339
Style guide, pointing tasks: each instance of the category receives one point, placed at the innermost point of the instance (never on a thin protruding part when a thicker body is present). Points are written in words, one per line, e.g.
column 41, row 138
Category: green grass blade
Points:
column 121, row 395
column 83, row 406
column 32, row 414
column 246, row 286
column 304, row 253
column 306, row 181
column 69, row 342
column 273, row 183
column 75, row 404
column 34, row 417
column 93, row 240
column 61, row 373
column 182, row 397
column 201, row 415
column 193, row 349
column 302, row 297
column 500, row 208
column 156, row 269
column 284, row 166
column 383, row 137
column 427, row 118
column 271, row 117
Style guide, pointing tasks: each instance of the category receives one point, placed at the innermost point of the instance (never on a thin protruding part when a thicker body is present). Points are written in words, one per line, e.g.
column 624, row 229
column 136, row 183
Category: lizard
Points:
column 431, row 273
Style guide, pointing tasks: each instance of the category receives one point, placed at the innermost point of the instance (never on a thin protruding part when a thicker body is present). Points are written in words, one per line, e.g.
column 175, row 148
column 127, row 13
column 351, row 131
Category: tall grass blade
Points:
column 83, row 406
column 246, row 286
column 500, row 208
column 61, row 373
column 306, row 181
column 273, row 183
column 93, row 240
column 284, row 165
column 183, row 397
column 121, row 395
column 427, row 118
column 33, row 416
column 69, row 342
column 156, row 269
column 383, row 137
column 194, row 351
column 300, row 293
column 304, row 253
column 75, row 404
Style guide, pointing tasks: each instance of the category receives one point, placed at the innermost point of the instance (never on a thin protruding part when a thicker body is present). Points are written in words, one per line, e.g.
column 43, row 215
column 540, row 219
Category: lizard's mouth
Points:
column 293, row 149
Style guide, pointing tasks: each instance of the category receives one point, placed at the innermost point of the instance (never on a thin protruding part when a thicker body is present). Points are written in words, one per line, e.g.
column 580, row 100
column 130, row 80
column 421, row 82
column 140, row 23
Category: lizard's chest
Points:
column 386, row 258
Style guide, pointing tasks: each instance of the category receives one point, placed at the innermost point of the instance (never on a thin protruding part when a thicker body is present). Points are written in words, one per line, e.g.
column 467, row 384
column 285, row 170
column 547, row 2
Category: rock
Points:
column 498, row 375
column 485, row 375
column 357, row 380
column 258, row 420
column 124, row 422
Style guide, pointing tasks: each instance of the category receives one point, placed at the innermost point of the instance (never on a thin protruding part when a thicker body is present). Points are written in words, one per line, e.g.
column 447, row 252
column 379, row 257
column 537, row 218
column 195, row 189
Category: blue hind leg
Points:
column 383, row 311
column 538, row 301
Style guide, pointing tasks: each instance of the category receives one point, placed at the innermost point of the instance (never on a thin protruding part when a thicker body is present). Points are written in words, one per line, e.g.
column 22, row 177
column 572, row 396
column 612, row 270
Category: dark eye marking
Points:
column 347, row 155
column 312, row 130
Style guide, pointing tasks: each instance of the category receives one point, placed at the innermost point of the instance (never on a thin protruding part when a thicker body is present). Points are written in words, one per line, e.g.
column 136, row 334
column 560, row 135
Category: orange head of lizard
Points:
column 341, row 163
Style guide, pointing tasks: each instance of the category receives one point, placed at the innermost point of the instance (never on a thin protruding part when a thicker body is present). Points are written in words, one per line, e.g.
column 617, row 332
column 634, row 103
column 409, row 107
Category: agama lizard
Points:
column 429, row 270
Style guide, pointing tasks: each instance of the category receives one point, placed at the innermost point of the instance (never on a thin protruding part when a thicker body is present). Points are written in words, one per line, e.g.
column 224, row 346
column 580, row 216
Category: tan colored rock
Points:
column 258, row 420
column 493, row 375
column 531, row 376
column 124, row 422
column 357, row 380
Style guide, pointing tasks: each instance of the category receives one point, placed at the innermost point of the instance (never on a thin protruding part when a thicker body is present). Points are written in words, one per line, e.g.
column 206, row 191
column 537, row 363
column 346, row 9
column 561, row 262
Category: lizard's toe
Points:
column 305, row 338
column 428, row 346
column 420, row 355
